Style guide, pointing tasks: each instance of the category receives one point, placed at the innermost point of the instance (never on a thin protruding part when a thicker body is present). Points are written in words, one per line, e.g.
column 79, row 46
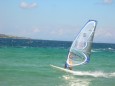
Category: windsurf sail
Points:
column 80, row 50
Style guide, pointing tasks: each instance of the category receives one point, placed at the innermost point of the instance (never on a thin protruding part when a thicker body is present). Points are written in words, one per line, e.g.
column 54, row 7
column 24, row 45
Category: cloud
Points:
column 36, row 30
column 26, row 5
column 107, row 1
column 105, row 35
column 59, row 32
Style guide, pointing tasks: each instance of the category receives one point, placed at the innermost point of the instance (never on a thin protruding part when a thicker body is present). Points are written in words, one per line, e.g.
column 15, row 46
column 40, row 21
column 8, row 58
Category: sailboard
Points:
column 63, row 69
column 80, row 49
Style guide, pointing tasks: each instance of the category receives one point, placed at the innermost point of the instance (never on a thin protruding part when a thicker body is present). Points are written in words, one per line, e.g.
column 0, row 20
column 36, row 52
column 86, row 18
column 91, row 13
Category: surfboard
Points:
column 84, row 73
column 63, row 69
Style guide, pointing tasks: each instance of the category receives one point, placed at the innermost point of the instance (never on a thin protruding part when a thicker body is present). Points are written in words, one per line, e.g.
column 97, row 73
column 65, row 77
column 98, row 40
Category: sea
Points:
column 26, row 62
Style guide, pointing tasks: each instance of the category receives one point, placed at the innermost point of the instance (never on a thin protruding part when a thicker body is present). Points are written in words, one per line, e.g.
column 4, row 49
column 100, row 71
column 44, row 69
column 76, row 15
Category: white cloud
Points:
column 107, row 1
column 36, row 30
column 26, row 5
column 58, row 32
column 105, row 35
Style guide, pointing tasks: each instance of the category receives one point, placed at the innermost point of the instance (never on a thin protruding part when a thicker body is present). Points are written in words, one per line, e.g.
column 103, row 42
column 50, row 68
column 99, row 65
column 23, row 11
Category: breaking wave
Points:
column 73, row 81
column 94, row 74
column 103, row 49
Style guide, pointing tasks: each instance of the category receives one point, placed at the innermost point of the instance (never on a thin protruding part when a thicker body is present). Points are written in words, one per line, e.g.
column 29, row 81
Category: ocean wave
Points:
column 72, row 81
column 95, row 51
column 102, row 49
column 95, row 74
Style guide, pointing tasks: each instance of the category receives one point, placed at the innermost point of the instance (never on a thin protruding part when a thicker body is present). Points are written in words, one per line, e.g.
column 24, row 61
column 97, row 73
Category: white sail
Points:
column 81, row 47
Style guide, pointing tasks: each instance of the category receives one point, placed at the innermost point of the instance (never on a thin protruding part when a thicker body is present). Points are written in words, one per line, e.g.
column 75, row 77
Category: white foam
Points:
column 94, row 51
column 94, row 74
column 112, row 74
column 72, row 81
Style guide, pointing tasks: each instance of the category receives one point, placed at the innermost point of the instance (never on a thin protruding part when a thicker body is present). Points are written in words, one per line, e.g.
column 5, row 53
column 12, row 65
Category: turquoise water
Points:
column 31, row 67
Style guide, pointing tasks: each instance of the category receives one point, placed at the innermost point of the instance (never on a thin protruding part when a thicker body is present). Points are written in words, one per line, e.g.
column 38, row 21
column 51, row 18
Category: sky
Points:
column 57, row 19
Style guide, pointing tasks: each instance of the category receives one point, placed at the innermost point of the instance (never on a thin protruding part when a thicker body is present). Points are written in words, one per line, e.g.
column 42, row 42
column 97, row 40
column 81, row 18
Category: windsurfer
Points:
column 70, row 62
column 81, row 47
column 68, row 66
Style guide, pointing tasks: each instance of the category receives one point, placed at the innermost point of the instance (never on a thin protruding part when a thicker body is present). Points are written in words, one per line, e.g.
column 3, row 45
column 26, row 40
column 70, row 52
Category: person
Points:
column 68, row 66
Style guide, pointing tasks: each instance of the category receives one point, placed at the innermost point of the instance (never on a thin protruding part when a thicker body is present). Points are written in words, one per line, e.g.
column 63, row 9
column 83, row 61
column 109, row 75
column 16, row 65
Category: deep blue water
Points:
column 6, row 42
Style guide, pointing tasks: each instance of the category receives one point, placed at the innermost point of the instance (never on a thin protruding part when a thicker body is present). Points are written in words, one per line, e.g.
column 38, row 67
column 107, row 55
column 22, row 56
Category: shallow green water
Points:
column 31, row 67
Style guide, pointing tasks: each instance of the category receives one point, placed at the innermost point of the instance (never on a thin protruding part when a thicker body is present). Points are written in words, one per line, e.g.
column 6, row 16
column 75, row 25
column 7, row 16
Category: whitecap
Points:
column 72, row 81
column 94, row 74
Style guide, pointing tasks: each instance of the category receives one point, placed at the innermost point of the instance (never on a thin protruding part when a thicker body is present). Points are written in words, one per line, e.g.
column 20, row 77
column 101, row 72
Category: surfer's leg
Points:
column 70, row 68
column 65, row 66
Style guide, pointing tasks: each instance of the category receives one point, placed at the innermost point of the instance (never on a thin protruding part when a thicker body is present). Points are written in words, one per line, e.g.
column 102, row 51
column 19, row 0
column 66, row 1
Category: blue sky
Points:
column 57, row 19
